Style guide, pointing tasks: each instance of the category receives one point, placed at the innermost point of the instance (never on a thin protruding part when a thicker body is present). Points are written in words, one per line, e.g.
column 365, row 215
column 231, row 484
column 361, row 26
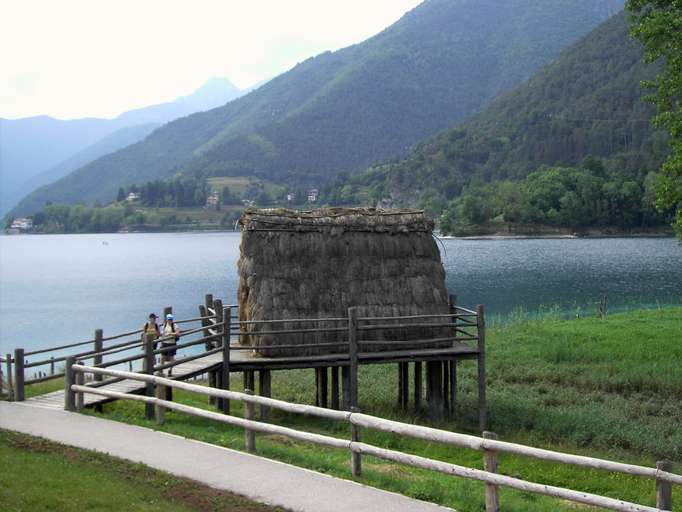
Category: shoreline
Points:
column 556, row 237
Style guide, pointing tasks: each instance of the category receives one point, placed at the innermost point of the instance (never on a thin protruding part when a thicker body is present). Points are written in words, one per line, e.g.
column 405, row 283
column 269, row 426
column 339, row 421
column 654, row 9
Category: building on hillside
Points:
column 213, row 199
column 132, row 197
column 21, row 224
column 312, row 195
column 290, row 197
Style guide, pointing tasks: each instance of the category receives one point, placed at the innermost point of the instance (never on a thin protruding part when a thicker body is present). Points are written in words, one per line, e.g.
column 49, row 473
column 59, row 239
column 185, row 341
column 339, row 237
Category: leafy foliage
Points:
column 575, row 198
column 442, row 62
column 658, row 25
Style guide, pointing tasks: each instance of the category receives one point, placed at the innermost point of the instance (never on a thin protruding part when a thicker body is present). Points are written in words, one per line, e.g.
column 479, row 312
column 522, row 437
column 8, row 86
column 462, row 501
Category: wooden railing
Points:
column 664, row 478
column 18, row 365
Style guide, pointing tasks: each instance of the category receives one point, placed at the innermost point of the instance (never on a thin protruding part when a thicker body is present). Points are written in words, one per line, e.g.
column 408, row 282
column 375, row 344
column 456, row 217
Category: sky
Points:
column 97, row 58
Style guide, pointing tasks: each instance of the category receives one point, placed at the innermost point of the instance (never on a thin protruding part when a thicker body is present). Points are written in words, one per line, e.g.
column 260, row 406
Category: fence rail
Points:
column 490, row 447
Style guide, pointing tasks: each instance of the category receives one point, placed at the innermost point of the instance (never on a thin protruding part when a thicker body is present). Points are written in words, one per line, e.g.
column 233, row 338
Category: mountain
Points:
column 588, row 102
column 440, row 63
column 35, row 151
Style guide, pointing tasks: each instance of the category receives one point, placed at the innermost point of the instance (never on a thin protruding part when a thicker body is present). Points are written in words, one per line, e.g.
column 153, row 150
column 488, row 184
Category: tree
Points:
column 121, row 195
column 657, row 24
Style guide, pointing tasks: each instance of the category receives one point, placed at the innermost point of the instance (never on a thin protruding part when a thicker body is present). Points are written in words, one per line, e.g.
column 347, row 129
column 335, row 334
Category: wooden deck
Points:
column 243, row 360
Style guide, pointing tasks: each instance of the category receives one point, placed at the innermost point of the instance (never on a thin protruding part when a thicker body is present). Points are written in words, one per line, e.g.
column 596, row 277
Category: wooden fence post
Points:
column 148, row 368
column 160, row 411
column 664, row 490
column 19, row 374
column 203, row 312
column 322, row 385
column 10, row 386
column 99, row 334
column 355, row 457
column 490, row 464
column 249, row 380
column 79, row 379
column 353, row 355
column 51, row 365
column 69, row 380
column 335, row 388
column 482, row 404
column 218, row 307
column 225, row 368
column 249, row 414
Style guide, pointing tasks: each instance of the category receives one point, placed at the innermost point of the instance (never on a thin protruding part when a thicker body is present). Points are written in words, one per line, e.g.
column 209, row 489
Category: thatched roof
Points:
column 317, row 264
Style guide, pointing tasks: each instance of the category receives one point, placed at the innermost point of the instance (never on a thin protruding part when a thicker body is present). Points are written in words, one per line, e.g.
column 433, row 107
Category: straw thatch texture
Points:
column 318, row 264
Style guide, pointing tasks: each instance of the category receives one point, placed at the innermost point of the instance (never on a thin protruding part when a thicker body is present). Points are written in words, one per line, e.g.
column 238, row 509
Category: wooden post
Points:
column 453, row 385
column 434, row 378
column 353, row 355
column 218, row 375
column 355, row 458
column 400, row 385
column 417, row 384
column 405, row 372
column 323, row 386
column 79, row 379
column 317, row 387
column 160, row 411
column 1, row 378
column 51, row 365
column 148, row 368
column 69, row 380
column 205, row 323
column 225, row 368
column 99, row 334
column 265, row 387
column 212, row 384
column 345, row 387
column 335, row 388
column 490, row 463
column 446, row 385
column 208, row 300
column 10, row 387
column 249, row 414
column 249, row 380
column 208, row 303
column 482, row 404
column 664, row 490
column 19, row 374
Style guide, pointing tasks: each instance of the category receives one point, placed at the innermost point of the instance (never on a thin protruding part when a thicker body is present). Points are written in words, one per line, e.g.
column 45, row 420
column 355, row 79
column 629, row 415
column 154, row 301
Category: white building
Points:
column 22, row 224
column 312, row 195
column 132, row 197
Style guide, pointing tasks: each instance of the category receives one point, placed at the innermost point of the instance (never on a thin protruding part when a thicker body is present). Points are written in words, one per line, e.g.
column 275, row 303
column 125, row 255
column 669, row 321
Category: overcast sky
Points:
column 77, row 58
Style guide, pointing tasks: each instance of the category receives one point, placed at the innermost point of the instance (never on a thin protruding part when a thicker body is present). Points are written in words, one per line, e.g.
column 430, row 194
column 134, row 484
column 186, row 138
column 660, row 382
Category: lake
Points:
column 58, row 288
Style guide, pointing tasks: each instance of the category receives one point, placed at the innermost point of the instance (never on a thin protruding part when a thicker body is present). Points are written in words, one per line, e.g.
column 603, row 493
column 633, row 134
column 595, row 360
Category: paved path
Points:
column 253, row 477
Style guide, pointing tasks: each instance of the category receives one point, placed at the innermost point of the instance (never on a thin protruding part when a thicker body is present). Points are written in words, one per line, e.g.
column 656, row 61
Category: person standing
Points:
column 151, row 327
column 171, row 335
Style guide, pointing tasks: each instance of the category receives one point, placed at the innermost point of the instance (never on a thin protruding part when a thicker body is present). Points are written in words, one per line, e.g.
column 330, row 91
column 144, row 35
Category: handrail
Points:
column 362, row 420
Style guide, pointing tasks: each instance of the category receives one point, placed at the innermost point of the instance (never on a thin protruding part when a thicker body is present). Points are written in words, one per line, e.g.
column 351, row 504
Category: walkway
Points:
column 253, row 477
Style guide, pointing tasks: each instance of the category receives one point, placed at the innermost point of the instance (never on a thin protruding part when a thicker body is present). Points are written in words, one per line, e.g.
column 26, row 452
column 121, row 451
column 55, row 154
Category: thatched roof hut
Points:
column 317, row 264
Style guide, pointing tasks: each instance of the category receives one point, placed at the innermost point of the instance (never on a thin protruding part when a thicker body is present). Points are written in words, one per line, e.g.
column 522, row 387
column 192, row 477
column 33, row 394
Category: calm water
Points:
column 57, row 289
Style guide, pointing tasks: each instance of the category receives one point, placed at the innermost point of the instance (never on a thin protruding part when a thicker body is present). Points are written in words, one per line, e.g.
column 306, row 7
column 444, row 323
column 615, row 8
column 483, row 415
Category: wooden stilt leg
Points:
column 335, row 387
column 417, row 384
column 265, row 387
column 446, row 385
column 453, row 385
column 345, row 386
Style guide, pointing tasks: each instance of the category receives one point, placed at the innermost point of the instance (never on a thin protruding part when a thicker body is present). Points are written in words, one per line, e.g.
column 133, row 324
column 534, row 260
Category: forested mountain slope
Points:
column 587, row 102
column 440, row 63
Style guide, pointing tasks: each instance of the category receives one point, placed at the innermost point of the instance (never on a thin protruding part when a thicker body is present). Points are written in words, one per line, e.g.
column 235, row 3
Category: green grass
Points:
column 609, row 387
column 36, row 474
column 239, row 184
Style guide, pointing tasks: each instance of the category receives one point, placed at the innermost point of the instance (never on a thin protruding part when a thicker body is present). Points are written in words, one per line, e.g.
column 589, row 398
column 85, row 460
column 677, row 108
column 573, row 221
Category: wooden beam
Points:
column 418, row 391
column 265, row 388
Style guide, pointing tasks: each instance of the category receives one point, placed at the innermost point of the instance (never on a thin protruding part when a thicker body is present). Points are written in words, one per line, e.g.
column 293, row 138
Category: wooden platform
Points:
column 243, row 360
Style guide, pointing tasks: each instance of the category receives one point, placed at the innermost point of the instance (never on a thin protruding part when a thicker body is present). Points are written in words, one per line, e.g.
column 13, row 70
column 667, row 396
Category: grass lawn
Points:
column 610, row 388
column 36, row 474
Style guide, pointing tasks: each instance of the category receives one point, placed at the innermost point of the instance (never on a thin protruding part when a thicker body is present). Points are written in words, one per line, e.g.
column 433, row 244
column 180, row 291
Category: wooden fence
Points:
column 18, row 365
column 488, row 444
